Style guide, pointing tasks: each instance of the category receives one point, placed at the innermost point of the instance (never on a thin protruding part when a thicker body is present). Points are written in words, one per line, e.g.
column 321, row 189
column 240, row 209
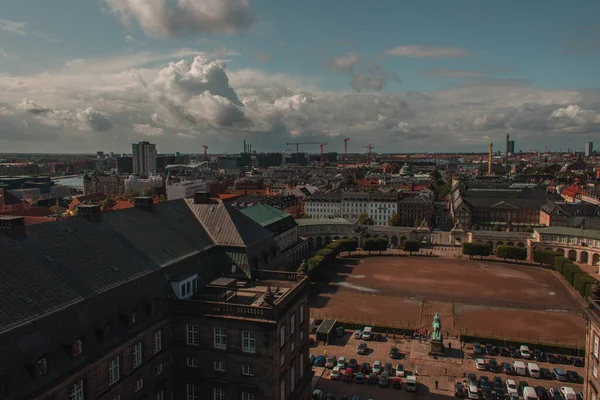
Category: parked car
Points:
column 568, row 393
column 331, row 362
column 341, row 362
column 490, row 349
column 394, row 353
column 552, row 359
column 524, row 352
column 339, row 331
column 559, row 374
column 384, row 380
column 578, row 362
column 511, row 386
column 504, row 352
column 373, row 378
column 397, row 383
column 508, row 369
column 366, row 333
column 513, row 396
column 486, row 394
column 477, row 348
column 522, row 385
column 362, row 348
column 387, row 368
column 542, row 393
column 480, row 364
column 497, row 382
column 555, row 394
column 365, row 368
column 545, row 373
column 335, row 373
column 377, row 367
column 311, row 359
column 459, row 390
column 539, row 355
column 359, row 378
column 473, row 392
column 484, row 383
column 353, row 364
column 357, row 334
column 472, row 379
column 565, row 360
column 399, row 370
column 514, row 353
column 573, row 376
column 493, row 365
column 319, row 361
column 348, row 375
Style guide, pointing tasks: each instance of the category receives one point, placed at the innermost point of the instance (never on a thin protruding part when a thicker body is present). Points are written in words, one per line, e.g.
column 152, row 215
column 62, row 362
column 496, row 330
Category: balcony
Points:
column 195, row 307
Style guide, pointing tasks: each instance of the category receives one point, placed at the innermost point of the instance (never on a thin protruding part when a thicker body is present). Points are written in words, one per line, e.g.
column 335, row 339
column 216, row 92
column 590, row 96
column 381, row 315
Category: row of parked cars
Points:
column 523, row 352
column 496, row 389
column 530, row 369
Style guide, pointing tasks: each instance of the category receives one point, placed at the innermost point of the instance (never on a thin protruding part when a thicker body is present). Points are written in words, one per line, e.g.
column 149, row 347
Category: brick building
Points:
column 99, row 306
column 110, row 185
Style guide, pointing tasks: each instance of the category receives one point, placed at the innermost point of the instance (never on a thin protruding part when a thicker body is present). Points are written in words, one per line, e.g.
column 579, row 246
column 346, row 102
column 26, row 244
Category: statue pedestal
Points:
column 437, row 348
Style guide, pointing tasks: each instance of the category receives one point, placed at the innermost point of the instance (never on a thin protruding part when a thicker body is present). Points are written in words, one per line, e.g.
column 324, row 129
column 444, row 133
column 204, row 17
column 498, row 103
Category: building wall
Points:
column 592, row 353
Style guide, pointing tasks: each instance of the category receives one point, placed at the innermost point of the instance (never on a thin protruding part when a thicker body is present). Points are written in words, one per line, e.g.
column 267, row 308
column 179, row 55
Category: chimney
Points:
column 201, row 197
column 13, row 226
column 89, row 211
column 146, row 202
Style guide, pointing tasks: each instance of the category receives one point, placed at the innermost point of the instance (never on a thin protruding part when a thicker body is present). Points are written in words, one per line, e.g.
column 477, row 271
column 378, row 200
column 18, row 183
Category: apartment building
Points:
column 109, row 185
column 99, row 306
column 144, row 158
column 592, row 348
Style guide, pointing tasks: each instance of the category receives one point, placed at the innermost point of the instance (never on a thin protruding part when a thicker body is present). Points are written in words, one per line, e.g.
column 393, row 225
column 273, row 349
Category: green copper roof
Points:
column 264, row 215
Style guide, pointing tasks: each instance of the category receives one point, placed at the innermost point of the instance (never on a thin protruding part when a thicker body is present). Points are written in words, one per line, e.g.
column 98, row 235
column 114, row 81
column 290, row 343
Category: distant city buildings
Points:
column 144, row 158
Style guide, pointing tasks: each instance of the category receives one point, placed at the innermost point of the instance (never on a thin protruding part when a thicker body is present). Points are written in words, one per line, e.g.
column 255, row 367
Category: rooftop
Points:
column 559, row 230
column 323, row 221
column 264, row 214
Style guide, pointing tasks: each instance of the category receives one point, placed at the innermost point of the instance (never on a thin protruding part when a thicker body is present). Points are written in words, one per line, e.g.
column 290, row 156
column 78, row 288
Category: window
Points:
column 193, row 391
column 158, row 369
column 139, row 384
column 157, row 341
column 596, row 344
column 248, row 370
column 595, row 371
column 76, row 391
column 219, row 394
column 292, row 378
column 193, row 335
column 219, row 366
column 281, row 359
column 292, row 323
column 282, row 389
column 160, row 395
column 114, row 373
column 248, row 342
column 220, row 338
column 292, row 346
column 42, row 366
column 282, row 335
column 77, row 347
column 301, row 334
column 192, row 362
column 248, row 396
column 137, row 355
column 301, row 313
column 301, row 365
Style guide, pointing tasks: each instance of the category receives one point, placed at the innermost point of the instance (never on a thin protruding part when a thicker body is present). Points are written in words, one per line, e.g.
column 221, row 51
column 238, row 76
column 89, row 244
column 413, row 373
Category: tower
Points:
column 491, row 151
column 144, row 158
column 507, row 151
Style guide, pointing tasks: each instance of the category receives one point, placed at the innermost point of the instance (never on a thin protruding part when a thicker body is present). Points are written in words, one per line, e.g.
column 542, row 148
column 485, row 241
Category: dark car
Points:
column 539, row 355
column 500, row 394
column 542, row 393
column 319, row 361
column 365, row 368
column 522, row 385
column 545, row 373
column 578, row 362
column 477, row 348
column 556, row 394
column 394, row 353
column 514, row 353
column 359, row 378
column 503, row 352
column 362, row 348
column 339, row 331
column 378, row 337
column 373, row 379
column 573, row 376
column 353, row 364
column 472, row 379
column 493, row 365
column 490, row 349
column 459, row 390
column 564, row 360
column 330, row 396
column 507, row 368
column 552, row 359
column 497, row 382
column 484, row 383
column 344, row 397
column 384, row 380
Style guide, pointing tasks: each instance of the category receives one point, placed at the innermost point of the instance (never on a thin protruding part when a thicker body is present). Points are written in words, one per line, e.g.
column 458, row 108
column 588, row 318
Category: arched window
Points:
column 77, row 347
column 42, row 366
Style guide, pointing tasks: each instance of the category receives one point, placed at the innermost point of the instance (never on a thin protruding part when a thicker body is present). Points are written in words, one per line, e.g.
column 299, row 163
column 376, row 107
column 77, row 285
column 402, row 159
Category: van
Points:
column 519, row 367
column 529, row 393
column 411, row 383
column 568, row 393
column 533, row 370
column 366, row 334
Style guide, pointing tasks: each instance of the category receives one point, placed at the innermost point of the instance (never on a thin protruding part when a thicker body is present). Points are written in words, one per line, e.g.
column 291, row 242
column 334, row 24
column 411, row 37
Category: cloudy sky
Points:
column 406, row 76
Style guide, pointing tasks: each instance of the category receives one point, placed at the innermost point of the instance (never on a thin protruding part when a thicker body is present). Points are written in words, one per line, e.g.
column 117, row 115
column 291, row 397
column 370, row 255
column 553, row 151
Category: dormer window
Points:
column 77, row 347
column 132, row 318
column 42, row 366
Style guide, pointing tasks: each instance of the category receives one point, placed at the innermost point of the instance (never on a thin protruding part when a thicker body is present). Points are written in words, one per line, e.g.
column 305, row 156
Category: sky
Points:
column 430, row 75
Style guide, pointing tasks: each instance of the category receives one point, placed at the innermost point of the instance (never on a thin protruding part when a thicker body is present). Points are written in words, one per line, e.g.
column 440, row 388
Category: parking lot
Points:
column 506, row 300
column 415, row 359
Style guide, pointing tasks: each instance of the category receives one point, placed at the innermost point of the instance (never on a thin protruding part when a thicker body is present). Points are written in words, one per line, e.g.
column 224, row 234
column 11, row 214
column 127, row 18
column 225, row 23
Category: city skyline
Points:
column 404, row 77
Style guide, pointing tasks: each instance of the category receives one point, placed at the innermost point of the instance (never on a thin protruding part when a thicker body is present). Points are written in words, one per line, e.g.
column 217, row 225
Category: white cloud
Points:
column 163, row 19
column 365, row 75
column 148, row 130
column 129, row 39
column 18, row 28
column 421, row 51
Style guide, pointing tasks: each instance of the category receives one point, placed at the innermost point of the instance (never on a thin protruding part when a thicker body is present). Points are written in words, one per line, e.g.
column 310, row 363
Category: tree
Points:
column 375, row 244
column 147, row 192
column 544, row 256
column 477, row 249
column 416, row 222
column 512, row 252
column 394, row 220
column 364, row 219
column 108, row 203
column 411, row 245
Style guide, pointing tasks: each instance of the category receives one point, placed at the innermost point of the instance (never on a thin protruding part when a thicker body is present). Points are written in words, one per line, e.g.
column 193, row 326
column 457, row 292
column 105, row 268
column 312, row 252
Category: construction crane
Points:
column 297, row 144
column 370, row 148
column 322, row 145
column 205, row 152
column 346, row 149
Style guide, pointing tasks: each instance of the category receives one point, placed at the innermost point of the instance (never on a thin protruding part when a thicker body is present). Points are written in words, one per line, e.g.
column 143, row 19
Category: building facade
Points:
column 144, row 158
column 589, row 149
column 592, row 348
column 109, row 185
column 579, row 245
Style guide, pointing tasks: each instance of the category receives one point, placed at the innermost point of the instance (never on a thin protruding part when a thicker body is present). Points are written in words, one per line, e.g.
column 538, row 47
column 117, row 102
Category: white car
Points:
column 568, row 393
column 473, row 392
column 377, row 367
column 399, row 370
column 366, row 333
column 357, row 334
column 511, row 387
column 335, row 374
column 480, row 364
column 525, row 353
column 341, row 362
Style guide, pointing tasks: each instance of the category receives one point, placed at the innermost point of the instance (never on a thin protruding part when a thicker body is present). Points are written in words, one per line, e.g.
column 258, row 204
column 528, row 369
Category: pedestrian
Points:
column 419, row 339
column 445, row 371
column 450, row 346
column 325, row 352
column 462, row 345
column 436, row 384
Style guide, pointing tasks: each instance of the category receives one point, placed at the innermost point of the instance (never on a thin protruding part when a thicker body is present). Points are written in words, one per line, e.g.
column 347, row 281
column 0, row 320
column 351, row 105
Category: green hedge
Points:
column 511, row 252
column 476, row 249
column 559, row 261
column 411, row 245
column 375, row 244
column 544, row 256
column 579, row 279
column 569, row 272
column 329, row 253
column 582, row 281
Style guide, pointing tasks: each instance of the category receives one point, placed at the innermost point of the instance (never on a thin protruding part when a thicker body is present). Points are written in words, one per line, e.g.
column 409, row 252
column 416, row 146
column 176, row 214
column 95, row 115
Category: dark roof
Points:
column 226, row 225
column 265, row 215
column 7, row 199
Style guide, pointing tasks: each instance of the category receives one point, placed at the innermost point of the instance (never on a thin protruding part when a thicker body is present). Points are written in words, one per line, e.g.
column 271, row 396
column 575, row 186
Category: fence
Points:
column 360, row 321
column 508, row 338
column 457, row 300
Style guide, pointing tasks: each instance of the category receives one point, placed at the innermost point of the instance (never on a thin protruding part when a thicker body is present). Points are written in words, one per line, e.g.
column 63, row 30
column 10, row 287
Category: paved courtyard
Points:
column 493, row 298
